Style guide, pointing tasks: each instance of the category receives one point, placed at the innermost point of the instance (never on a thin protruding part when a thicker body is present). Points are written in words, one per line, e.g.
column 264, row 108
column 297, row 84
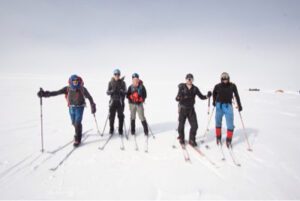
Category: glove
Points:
column 122, row 92
column 93, row 108
column 240, row 108
column 209, row 94
column 110, row 92
column 42, row 93
column 214, row 103
column 178, row 98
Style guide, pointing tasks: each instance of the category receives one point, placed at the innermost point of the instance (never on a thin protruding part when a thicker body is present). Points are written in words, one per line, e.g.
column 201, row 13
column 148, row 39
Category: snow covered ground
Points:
column 271, row 171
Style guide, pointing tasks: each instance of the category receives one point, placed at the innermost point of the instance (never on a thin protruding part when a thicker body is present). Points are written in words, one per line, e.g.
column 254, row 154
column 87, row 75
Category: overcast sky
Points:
column 256, row 41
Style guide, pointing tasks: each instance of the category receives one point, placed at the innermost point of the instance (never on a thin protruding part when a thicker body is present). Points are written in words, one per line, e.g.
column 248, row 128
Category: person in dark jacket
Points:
column 137, row 95
column 117, row 92
column 186, row 98
column 223, row 95
column 75, row 94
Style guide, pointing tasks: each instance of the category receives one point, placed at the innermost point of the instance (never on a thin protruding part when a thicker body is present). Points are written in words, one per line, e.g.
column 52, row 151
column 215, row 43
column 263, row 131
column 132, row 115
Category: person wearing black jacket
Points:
column 186, row 98
column 75, row 94
column 222, row 99
column 117, row 91
column 137, row 95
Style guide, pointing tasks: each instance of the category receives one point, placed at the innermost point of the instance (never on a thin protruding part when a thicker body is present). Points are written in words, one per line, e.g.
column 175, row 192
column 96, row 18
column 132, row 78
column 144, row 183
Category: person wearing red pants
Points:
column 222, row 100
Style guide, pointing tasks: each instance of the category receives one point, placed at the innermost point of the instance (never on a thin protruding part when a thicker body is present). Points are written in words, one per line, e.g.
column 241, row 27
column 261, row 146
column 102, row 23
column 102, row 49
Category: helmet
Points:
column 135, row 75
column 189, row 76
column 73, row 78
column 117, row 71
column 225, row 76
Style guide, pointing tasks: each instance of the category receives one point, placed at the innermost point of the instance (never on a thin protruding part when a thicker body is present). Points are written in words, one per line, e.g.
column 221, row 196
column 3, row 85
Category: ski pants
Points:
column 137, row 108
column 227, row 110
column 76, row 114
column 190, row 114
column 116, row 106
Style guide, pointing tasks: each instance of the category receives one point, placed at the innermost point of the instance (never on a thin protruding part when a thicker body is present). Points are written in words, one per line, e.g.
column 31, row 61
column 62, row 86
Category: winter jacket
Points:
column 223, row 93
column 74, row 97
column 116, row 89
column 137, row 95
column 186, row 96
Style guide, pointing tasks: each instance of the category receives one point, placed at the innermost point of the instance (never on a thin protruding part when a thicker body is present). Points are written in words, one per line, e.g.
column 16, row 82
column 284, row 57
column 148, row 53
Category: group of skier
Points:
column 76, row 93
column 136, row 93
column 223, row 94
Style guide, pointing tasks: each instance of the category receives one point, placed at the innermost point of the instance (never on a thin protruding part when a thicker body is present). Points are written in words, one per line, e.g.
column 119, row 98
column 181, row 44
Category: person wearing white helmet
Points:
column 223, row 95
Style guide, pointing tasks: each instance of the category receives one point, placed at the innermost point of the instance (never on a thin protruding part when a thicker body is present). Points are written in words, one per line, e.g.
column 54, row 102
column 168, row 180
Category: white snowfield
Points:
column 271, row 171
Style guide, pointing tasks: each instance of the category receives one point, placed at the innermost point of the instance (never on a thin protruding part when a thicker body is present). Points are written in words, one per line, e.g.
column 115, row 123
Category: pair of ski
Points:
column 84, row 137
column 146, row 144
column 122, row 147
column 197, row 150
column 232, row 156
column 231, row 153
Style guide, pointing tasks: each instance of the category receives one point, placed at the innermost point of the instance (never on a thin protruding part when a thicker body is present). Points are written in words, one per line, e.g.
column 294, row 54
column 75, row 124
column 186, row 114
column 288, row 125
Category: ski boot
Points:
column 219, row 141
column 77, row 140
column 78, row 134
column 228, row 143
column 133, row 127
column 181, row 140
column 120, row 131
column 193, row 143
column 145, row 126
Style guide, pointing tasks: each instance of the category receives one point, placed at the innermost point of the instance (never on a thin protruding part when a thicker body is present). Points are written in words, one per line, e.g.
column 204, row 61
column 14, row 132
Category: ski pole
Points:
column 151, row 131
column 104, row 126
column 245, row 133
column 207, row 127
column 96, row 124
column 42, row 133
column 126, row 134
column 173, row 145
column 208, row 106
column 129, row 128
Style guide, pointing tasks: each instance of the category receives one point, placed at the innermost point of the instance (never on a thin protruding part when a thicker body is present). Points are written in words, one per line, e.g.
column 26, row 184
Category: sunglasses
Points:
column 117, row 74
column 190, row 79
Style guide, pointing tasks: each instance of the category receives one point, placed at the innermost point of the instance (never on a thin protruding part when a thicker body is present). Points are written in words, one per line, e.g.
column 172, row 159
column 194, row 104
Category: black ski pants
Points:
column 190, row 114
